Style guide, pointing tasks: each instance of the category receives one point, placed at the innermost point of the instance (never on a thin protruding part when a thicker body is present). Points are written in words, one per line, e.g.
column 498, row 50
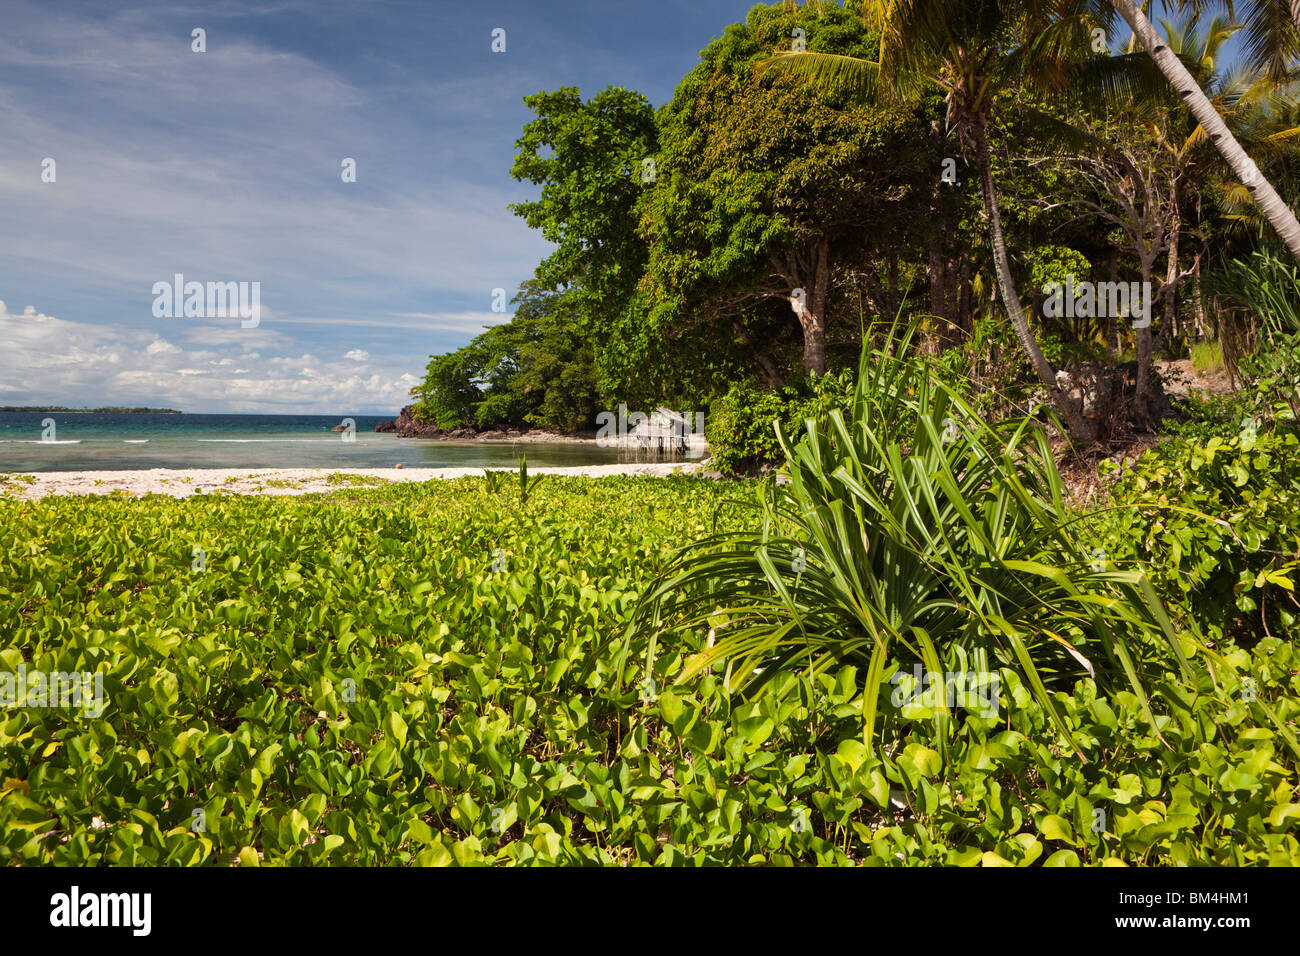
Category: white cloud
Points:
column 161, row 347
column 225, row 167
column 56, row 361
column 470, row 323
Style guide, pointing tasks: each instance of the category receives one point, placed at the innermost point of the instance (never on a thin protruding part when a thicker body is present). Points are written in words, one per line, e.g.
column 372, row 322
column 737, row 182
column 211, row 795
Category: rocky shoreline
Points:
column 407, row 425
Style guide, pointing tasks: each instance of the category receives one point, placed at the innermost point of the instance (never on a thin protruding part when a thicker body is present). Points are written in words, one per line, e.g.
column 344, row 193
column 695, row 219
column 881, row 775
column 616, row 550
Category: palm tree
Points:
column 1272, row 32
column 1257, row 105
column 972, row 51
column 1261, row 190
column 1153, row 148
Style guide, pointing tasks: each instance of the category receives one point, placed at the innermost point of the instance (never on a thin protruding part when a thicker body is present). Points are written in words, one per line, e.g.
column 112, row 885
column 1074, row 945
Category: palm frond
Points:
column 1271, row 43
column 827, row 71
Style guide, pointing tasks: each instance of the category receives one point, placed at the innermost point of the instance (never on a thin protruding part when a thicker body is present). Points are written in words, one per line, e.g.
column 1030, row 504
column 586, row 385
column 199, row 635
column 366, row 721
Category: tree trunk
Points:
column 807, row 271
column 814, row 340
column 876, row 292
column 1170, row 291
column 761, row 356
column 952, row 302
column 1078, row 426
column 812, row 309
column 1295, row 13
column 936, row 275
column 1112, row 322
column 1198, row 300
column 1145, row 350
column 1265, row 196
column 815, row 332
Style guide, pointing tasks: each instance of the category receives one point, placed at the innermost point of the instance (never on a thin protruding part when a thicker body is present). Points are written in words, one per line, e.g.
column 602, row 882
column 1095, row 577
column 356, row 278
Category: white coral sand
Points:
column 273, row 481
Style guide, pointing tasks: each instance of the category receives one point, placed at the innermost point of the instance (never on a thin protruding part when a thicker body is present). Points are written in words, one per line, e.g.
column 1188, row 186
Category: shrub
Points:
column 533, row 370
column 991, row 370
column 484, row 724
column 1216, row 522
column 1272, row 375
column 912, row 530
column 1267, row 284
column 741, row 430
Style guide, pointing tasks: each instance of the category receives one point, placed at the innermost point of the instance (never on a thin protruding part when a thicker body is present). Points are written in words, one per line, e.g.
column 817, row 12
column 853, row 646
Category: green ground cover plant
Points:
column 1214, row 518
column 419, row 675
column 344, row 478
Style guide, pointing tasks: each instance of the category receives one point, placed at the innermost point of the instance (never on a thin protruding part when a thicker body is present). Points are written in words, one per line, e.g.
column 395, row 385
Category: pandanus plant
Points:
column 911, row 531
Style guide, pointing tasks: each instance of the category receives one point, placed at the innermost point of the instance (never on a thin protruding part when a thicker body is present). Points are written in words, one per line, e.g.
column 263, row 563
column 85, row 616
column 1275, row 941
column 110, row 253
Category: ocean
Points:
column 124, row 441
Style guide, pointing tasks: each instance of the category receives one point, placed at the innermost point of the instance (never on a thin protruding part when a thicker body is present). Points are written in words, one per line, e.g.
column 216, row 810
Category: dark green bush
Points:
column 1272, row 375
column 532, row 370
column 741, row 433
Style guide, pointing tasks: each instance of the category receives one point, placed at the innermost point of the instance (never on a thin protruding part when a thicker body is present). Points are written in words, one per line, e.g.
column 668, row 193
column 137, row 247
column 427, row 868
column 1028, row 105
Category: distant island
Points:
column 90, row 411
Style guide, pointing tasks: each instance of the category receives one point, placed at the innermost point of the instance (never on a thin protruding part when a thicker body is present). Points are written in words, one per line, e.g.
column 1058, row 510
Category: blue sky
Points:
column 225, row 166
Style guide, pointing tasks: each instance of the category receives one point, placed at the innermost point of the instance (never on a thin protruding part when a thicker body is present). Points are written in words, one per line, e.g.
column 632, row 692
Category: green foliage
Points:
column 764, row 185
column 533, row 370
column 484, row 725
column 587, row 157
column 1207, row 416
column 1216, row 523
column 1207, row 357
column 1055, row 265
column 742, row 436
column 449, row 395
column 526, row 486
column 1266, row 282
column 1272, row 374
column 912, row 530
column 989, row 368
column 343, row 478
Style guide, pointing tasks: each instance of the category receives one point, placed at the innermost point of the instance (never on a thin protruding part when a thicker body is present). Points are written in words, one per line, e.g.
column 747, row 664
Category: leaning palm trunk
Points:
column 1079, row 427
column 1265, row 196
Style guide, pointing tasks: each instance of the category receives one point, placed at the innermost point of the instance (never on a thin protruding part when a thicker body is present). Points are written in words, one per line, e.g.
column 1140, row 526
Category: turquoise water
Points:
column 122, row 442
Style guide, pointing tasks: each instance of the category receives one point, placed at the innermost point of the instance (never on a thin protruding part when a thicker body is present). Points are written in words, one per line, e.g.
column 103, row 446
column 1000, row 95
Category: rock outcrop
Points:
column 408, row 426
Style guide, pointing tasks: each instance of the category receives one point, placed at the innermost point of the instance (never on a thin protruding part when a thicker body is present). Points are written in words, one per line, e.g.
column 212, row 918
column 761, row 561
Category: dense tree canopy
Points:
column 767, row 185
column 532, row 371
column 827, row 169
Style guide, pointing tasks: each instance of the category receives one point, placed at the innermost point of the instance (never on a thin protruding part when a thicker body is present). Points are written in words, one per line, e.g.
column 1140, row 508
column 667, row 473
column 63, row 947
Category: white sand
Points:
column 274, row 481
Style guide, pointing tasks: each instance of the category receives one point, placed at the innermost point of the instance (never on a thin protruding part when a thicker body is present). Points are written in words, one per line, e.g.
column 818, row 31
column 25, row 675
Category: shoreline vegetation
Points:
column 407, row 425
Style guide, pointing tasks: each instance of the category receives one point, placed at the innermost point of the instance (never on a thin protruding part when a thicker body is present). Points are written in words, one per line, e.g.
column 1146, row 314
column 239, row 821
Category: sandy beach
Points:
column 276, row 481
